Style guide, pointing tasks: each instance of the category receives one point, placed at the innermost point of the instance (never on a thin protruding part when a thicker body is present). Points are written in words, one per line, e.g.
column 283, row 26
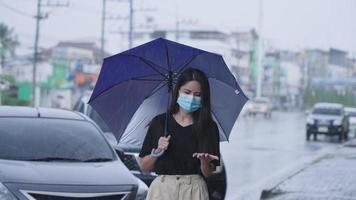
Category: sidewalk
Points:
column 333, row 176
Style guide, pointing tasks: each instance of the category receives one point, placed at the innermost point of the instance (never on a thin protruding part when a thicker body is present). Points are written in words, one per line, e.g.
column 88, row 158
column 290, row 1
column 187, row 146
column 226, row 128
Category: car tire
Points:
column 308, row 135
column 346, row 135
column 315, row 136
column 341, row 136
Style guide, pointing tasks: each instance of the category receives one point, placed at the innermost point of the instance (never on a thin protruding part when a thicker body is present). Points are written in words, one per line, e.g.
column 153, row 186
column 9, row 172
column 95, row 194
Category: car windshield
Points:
column 42, row 139
column 327, row 111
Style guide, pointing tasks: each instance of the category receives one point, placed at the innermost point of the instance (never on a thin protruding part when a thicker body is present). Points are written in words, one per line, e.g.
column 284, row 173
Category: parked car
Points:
column 57, row 154
column 327, row 119
column 129, row 154
column 351, row 113
column 259, row 106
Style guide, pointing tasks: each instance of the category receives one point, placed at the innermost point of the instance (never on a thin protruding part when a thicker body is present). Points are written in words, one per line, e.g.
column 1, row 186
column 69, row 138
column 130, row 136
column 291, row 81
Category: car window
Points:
column 97, row 119
column 351, row 114
column 327, row 111
column 79, row 106
column 40, row 138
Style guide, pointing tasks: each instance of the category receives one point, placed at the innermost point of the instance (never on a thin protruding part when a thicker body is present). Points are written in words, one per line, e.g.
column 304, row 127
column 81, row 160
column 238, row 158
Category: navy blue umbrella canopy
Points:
column 136, row 85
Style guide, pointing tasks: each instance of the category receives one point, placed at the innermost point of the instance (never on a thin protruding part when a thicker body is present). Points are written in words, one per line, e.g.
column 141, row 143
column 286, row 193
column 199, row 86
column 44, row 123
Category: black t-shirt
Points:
column 177, row 159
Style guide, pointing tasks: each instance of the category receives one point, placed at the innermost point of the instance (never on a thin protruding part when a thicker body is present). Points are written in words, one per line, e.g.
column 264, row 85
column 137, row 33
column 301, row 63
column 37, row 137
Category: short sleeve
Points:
column 215, row 144
column 150, row 139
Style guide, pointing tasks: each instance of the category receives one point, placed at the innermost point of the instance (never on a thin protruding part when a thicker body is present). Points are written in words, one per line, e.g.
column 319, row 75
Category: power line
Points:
column 130, row 19
column 17, row 11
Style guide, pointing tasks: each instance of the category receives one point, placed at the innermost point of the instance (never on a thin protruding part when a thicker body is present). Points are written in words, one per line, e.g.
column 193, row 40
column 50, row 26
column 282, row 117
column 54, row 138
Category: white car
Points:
column 327, row 119
column 259, row 106
column 351, row 113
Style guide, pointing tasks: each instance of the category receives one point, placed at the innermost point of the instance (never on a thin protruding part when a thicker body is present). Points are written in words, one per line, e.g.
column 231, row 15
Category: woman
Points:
column 190, row 151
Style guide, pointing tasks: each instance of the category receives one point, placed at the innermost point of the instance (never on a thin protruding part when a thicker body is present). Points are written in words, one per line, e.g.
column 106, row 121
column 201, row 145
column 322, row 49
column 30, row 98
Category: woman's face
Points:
column 191, row 88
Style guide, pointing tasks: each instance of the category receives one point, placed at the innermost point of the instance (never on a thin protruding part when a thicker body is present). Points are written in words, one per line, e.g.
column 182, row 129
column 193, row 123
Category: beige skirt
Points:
column 178, row 187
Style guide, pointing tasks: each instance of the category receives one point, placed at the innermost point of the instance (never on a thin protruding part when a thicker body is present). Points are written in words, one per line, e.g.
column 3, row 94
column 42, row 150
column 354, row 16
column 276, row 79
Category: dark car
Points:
column 129, row 154
column 327, row 119
column 57, row 154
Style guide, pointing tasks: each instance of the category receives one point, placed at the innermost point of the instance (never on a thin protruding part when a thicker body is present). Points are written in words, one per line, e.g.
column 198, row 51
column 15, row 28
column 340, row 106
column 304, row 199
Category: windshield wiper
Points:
column 48, row 159
column 98, row 160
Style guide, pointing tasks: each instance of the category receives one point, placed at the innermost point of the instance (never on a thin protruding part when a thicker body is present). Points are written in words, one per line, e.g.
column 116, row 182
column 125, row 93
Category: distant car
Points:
column 57, row 154
column 327, row 119
column 351, row 113
column 259, row 106
column 129, row 154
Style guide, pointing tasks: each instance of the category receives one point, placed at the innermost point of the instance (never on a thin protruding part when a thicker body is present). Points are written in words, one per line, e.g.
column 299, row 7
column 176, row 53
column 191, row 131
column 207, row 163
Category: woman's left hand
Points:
column 205, row 157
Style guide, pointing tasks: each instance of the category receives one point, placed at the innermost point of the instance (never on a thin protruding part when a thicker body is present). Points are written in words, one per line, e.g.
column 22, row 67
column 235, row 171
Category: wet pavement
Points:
column 331, row 177
column 260, row 148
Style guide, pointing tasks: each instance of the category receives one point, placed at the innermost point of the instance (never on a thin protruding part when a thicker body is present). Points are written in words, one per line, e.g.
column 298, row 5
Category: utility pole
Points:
column 130, row 22
column 103, row 19
column 39, row 17
column 35, row 54
column 260, row 52
column 131, row 19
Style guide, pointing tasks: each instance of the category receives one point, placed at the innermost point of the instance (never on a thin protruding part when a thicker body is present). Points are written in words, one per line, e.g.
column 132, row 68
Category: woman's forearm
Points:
column 147, row 163
column 206, row 168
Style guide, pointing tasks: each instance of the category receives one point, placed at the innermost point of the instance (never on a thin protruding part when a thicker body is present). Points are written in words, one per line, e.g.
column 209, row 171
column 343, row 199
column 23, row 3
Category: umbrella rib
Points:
column 145, row 76
column 149, row 63
column 167, row 56
column 157, row 89
column 152, row 67
column 187, row 63
column 145, row 79
column 224, row 132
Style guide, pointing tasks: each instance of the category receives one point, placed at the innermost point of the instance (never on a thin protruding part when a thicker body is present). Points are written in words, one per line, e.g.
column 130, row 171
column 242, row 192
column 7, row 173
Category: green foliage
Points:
column 315, row 95
column 6, row 98
column 8, row 42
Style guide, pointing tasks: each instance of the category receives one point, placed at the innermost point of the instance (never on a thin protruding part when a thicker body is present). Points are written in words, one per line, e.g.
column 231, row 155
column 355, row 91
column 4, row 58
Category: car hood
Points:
column 326, row 117
column 68, row 173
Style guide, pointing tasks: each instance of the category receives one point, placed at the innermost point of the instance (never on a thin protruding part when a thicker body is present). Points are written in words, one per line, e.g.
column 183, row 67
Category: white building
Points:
column 205, row 39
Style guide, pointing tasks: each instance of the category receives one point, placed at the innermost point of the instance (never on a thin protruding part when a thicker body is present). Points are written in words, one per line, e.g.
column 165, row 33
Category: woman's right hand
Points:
column 163, row 143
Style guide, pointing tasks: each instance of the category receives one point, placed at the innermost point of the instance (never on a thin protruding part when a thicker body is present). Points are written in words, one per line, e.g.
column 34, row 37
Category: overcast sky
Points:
column 288, row 24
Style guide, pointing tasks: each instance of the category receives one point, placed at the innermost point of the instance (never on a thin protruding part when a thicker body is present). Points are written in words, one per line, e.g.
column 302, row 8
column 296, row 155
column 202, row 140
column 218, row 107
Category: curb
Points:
column 258, row 190
column 303, row 164
column 350, row 143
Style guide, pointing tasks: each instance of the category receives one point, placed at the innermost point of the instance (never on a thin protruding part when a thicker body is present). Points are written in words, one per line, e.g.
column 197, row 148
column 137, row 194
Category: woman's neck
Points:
column 184, row 116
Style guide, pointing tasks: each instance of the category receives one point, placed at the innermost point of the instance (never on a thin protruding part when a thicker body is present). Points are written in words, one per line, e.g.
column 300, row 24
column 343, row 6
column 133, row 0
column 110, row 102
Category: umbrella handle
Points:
column 170, row 93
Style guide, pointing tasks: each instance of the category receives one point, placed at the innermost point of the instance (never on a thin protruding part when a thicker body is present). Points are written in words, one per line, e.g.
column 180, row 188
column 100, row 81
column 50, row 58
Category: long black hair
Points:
column 202, row 117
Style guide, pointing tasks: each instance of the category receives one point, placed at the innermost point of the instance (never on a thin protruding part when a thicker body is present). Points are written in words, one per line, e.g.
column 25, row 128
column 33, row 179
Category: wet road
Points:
column 260, row 147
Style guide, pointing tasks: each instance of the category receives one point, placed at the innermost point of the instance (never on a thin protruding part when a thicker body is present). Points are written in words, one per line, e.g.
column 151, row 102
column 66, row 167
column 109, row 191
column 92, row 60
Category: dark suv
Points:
column 327, row 119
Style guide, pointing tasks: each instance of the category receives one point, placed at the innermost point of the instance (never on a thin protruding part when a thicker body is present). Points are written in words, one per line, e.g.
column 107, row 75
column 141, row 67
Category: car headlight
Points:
column 310, row 120
column 337, row 122
column 5, row 193
column 142, row 190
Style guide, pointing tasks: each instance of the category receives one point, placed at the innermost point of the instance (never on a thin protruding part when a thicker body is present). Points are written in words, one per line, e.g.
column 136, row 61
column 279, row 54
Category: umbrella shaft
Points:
column 170, row 80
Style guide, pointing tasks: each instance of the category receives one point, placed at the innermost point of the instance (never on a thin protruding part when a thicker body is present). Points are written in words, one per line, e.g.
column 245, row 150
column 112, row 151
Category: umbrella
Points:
column 136, row 85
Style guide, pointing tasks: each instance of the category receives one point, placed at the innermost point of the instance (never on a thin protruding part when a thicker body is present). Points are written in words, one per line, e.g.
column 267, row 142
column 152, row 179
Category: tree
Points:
column 8, row 42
